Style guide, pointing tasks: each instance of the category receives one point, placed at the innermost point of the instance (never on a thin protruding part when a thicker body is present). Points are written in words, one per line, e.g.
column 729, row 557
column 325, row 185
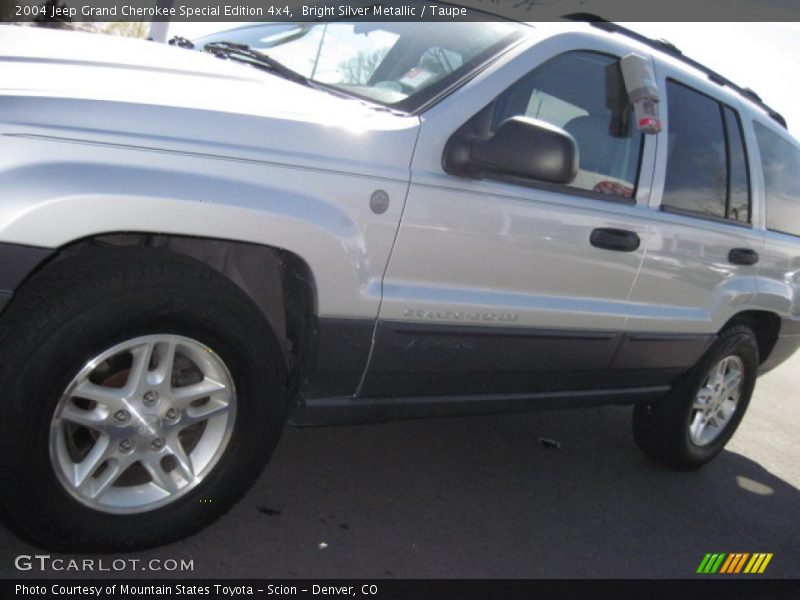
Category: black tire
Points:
column 661, row 427
column 80, row 305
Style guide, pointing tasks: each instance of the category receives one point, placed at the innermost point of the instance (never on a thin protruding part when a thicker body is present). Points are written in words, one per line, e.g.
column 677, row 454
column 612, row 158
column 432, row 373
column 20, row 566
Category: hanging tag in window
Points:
column 640, row 82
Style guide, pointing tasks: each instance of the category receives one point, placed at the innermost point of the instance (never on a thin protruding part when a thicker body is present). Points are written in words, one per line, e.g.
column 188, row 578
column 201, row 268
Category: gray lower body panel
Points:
column 348, row 411
column 16, row 263
column 411, row 360
column 424, row 370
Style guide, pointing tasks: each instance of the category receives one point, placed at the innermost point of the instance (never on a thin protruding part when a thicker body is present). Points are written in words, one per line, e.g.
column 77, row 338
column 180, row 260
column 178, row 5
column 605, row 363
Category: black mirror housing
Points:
column 521, row 147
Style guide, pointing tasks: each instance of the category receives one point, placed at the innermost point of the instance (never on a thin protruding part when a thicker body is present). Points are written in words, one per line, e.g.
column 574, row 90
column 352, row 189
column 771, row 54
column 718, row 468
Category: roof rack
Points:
column 667, row 48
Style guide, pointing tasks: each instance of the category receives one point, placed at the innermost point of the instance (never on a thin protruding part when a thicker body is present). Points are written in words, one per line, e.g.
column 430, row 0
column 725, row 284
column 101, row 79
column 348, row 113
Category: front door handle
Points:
column 619, row 240
column 743, row 256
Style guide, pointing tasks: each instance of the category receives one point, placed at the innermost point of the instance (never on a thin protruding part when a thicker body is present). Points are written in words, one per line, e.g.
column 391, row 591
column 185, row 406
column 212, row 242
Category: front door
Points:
column 506, row 287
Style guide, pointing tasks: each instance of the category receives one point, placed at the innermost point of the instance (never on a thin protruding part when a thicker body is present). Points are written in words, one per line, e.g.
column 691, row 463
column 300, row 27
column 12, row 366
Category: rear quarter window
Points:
column 780, row 161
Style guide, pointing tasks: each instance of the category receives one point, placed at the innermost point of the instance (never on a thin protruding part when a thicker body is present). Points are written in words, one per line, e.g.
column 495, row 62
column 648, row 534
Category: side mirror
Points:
column 521, row 147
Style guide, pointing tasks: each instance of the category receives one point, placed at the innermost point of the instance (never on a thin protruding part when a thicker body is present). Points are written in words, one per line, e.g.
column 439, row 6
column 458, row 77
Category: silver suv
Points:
column 352, row 222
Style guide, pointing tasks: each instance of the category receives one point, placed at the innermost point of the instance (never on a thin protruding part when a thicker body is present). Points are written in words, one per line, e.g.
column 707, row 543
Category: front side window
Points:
column 582, row 92
column 706, row 160
column 780, row 161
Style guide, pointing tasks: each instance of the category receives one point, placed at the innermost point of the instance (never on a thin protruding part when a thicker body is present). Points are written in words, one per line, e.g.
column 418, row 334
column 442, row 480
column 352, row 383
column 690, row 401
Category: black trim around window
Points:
column 704, row 216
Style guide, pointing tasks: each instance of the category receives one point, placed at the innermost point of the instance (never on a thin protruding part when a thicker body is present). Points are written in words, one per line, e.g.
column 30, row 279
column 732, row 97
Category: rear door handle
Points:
column 619, row 240
column 743, row 256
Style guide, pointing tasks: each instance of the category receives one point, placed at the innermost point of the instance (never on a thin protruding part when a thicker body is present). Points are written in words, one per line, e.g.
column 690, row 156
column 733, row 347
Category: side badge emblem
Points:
column 379, row 202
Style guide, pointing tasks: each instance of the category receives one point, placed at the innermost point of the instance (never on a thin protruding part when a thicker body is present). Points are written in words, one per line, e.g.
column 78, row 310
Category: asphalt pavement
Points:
column 485, row 497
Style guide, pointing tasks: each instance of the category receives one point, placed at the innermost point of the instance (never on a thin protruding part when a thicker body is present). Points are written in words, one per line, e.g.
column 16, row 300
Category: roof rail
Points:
column 667, row 48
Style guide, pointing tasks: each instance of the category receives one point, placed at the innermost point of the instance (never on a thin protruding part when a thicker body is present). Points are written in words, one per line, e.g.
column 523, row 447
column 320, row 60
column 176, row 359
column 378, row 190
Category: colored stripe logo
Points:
column 734, row 562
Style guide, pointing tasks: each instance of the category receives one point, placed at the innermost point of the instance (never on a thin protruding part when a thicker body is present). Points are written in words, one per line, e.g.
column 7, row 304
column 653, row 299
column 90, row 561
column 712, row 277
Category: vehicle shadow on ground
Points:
column 482, row 497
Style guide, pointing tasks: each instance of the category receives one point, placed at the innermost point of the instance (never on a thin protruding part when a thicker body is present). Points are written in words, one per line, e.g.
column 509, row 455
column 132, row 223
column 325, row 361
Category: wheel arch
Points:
column 279, row 282
column 765, row 324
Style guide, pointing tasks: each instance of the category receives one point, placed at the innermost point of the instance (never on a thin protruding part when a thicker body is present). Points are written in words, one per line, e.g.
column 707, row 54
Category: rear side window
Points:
column 706, row 159
column 780, row 161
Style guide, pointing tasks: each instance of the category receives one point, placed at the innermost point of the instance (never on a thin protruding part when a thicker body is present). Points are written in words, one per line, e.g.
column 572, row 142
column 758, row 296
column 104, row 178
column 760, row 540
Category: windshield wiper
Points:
column 245, row 53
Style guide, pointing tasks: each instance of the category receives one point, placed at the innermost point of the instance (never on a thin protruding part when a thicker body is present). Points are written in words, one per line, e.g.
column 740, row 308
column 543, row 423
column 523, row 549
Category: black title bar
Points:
column 378, row 589
column 396, row 10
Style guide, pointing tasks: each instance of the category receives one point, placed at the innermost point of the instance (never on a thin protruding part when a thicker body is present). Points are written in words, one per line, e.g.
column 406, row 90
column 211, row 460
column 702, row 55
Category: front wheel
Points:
column 691, row 424
column 143, row 392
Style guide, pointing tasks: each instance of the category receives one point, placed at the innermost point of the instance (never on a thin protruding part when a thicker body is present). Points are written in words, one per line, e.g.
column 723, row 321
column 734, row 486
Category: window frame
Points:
column 726, row 134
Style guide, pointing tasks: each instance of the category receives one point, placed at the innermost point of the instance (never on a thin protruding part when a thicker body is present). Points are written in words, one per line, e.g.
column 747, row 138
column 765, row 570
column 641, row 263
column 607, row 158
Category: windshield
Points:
column 401, row 65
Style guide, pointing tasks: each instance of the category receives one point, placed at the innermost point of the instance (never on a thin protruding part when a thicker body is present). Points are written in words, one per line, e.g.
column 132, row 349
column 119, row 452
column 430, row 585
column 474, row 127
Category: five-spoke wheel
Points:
column 142, row 423
column 716, row 400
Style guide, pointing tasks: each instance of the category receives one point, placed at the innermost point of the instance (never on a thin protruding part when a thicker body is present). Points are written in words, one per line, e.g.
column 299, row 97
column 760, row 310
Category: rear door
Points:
column 700, row 263
column 494, row 286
